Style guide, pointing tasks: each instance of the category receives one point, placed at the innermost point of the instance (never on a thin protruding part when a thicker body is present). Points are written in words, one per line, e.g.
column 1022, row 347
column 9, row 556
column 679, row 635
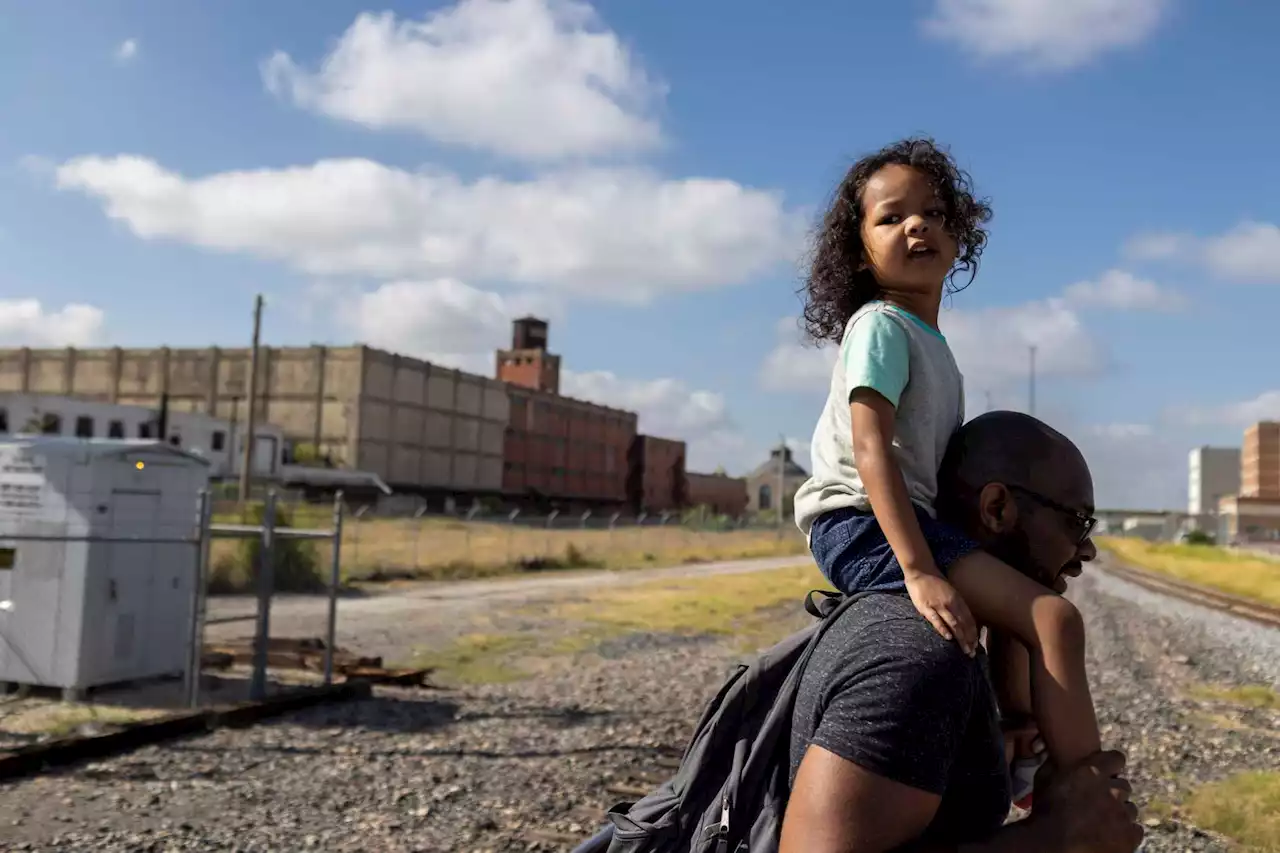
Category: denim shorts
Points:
column 853, row 554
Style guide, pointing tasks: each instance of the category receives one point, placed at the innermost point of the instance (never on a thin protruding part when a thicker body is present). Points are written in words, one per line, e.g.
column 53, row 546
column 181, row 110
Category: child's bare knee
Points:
column 1060, row 621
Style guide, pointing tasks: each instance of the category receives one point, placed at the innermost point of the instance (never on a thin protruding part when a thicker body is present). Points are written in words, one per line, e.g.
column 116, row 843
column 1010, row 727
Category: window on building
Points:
column 4, row 420
column 765, row 498
column 144, row 430
column 115, row 429
column 51, row 424
column 219, row 441
column 84, row 427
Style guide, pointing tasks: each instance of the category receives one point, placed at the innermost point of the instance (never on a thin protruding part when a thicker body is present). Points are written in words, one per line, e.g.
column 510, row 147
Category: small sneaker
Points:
column 1022, row 775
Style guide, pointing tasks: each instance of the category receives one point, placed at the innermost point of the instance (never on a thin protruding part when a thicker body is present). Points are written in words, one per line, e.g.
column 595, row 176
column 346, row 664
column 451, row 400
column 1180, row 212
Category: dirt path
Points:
column 397, row 620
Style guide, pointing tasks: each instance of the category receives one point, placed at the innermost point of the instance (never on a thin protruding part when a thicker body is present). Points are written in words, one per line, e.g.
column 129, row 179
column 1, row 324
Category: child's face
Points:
column 904, row 237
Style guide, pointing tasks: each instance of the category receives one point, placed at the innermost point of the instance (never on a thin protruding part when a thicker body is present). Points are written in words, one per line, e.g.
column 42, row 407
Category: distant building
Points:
column 1260, row 461
column 781, row 471
column 1212, row 472
column 719, row 493
column 1254, row 514
column 418, row 426
column 655, row 474
column 219, row 441
column 527, row 363
column 557, row 449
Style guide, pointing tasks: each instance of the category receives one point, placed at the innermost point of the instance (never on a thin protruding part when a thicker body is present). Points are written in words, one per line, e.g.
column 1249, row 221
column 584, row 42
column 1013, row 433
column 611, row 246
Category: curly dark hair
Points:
column 835, row 287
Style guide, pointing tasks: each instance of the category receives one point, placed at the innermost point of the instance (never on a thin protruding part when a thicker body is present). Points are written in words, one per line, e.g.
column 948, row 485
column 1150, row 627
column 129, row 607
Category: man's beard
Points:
column 1014, row 548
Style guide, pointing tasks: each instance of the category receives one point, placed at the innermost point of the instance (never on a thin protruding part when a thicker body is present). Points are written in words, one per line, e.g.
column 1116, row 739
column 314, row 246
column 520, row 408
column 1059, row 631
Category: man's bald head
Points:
column 1010, row 448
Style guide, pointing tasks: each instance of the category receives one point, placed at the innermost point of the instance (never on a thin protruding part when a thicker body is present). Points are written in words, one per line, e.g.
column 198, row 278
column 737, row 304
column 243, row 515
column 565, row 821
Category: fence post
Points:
column 417, row 534
column 330, row 636
column 551, row 520
column 471, row 513
column 266, row 581
column 613, row 522
column 195, row 648
column 355, row 539
column 511, row 532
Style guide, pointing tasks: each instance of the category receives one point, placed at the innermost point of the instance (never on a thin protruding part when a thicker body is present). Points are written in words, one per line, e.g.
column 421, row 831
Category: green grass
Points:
column 62, row 721
column 478, row 659
column 1246, row 575
column 1245, row 808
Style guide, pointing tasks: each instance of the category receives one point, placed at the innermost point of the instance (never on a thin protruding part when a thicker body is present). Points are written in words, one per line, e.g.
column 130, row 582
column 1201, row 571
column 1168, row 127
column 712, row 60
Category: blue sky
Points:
column 411, row 175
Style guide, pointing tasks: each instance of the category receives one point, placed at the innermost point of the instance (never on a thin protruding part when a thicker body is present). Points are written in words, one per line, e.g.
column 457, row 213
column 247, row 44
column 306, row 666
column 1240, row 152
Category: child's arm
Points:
column 873, row 422
column 1053, row 631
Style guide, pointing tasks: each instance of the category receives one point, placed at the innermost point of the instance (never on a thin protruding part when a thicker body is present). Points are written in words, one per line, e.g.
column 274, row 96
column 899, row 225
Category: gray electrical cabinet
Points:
column 98, row 551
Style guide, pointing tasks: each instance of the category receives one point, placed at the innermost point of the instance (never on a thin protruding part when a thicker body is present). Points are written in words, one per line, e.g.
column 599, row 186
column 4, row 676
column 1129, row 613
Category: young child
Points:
column 903, row 223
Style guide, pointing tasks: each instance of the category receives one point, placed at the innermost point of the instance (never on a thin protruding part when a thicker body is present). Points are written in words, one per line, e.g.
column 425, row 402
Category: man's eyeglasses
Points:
column 1084, row 522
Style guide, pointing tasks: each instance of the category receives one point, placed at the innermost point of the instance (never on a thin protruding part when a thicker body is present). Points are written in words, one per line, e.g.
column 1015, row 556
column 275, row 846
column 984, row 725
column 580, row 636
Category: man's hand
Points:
column 1086, row 809
column 946, row 611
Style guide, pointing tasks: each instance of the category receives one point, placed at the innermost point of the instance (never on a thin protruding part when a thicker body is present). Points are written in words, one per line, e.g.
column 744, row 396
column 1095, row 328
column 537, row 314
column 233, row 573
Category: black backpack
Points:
column 731, row 789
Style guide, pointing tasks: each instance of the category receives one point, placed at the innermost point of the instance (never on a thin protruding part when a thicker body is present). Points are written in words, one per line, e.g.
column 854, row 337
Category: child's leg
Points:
column 1053, row 632
column 1010, row 674
column 1011, row 677
column 853, row 554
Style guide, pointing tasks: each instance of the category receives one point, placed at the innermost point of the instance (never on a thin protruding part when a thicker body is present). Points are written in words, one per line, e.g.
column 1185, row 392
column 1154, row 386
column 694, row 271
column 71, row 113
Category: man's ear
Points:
column 997, row 511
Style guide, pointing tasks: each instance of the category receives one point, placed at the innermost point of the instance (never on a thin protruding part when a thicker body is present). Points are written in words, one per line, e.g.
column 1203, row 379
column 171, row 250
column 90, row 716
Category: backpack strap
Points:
column 821, row 608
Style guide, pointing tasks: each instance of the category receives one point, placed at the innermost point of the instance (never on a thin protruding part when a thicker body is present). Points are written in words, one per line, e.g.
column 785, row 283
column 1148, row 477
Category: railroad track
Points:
column 1244, row 608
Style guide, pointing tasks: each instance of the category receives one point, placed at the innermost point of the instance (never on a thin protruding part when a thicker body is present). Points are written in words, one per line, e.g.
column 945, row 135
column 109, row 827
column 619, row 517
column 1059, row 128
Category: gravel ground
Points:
column 479, row 769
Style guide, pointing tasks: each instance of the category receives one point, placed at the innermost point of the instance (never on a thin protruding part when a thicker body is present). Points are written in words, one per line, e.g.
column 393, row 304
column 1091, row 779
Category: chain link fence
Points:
column 379, row 546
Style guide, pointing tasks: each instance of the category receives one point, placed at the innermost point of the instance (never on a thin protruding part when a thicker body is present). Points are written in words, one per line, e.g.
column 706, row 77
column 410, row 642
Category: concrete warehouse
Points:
column 424, row 429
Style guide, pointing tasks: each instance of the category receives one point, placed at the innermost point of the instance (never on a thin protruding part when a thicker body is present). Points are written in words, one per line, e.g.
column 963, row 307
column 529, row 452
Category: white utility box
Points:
column 97, row 557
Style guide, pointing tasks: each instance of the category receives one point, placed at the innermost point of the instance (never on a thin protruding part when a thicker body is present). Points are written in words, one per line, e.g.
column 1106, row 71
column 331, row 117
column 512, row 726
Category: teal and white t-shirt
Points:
column 897, row 354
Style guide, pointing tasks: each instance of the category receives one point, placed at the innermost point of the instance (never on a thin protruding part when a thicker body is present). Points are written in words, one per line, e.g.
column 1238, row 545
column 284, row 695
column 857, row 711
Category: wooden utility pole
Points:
column 251, row 419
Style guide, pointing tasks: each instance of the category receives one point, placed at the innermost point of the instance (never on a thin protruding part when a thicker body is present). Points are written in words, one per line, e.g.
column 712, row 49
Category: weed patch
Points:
column 1241, row 574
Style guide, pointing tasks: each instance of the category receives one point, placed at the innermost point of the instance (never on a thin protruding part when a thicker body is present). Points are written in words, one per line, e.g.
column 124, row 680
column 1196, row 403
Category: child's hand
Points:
column 946, row 611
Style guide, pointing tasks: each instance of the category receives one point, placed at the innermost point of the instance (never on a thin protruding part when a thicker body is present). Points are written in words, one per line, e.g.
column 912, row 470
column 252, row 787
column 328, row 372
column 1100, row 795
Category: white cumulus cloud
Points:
column 534, row 80
column 127, row 50
column 1044, row 35
column 444, row 321
column 1123, row 291
column 1240, row 413
column 1248, row 252
column 615, row 234
column 26, row 322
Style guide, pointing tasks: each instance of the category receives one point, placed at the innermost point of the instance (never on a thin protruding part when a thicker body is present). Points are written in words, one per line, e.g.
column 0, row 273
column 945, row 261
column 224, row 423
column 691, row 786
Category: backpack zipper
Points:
column 723, row 844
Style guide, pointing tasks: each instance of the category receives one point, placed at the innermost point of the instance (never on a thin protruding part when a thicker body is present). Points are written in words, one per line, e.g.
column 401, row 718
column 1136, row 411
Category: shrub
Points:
column 296, row 564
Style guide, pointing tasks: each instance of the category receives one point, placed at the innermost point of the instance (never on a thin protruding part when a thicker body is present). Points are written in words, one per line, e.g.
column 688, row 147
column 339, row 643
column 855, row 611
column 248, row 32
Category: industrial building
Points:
column 215, row 440
column 1260, row 461
column 400, row 422
column 1254, row 513
column 1212, row 472
column 418, row 426
column 656, row 480
column 558, row 448
column 718, row 492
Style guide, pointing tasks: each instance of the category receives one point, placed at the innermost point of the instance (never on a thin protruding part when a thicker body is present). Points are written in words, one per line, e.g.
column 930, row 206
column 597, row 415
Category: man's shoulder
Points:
column 885, row 627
